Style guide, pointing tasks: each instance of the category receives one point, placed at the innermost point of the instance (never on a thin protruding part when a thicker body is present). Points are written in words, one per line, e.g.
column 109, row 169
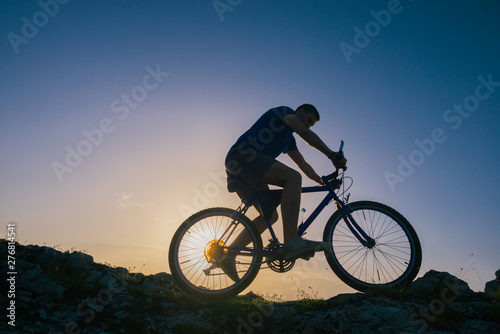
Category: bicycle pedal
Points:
column 209, row 269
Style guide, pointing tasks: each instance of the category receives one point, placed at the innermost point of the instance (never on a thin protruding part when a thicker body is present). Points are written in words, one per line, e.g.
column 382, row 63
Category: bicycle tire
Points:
column 395, row 259
column 188, row 256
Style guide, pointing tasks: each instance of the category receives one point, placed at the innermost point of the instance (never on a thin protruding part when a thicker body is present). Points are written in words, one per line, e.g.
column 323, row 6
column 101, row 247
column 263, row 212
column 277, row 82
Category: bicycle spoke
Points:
column 201, row 248
column 390, row 260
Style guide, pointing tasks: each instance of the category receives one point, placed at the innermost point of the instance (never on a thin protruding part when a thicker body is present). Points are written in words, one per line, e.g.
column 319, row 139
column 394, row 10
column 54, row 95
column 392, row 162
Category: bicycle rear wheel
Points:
column 394, row 260
column 202, row 244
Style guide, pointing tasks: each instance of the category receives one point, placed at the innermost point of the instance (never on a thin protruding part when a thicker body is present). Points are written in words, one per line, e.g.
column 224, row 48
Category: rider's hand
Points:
column 338, row 159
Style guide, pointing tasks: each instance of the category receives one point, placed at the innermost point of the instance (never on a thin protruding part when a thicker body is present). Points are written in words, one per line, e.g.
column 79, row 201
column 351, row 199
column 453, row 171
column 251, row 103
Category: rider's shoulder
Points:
column 282, row 111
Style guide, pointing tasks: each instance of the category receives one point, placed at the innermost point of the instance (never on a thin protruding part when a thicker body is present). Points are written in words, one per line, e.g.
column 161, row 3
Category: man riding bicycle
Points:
column 251, row 165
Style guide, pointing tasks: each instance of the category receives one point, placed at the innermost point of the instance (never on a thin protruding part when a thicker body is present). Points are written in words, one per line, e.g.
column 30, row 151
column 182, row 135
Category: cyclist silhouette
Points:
column 251, row 165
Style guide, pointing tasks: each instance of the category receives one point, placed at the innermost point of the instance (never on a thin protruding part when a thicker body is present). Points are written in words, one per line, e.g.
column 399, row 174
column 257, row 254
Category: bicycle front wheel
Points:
column 393, row 261
column 201, row 247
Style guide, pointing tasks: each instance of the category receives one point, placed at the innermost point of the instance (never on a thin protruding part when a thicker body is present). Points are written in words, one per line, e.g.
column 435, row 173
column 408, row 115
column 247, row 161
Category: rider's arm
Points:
column 299, row 160
column 313, row 139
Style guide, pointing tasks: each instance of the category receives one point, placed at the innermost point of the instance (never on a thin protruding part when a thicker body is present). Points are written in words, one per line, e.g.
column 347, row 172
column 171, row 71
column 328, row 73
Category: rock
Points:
column 422, row 286
column 162, row 278
column 121, row 314
column 346, row 298
column 112, row 300
column 433, row 283
column 138, row 277
column 24, row 296
column 477, row 326
column 121, row 271
column 319, row 322
column 50, row 256
column 112, row 281
column 80, row 261
column 492, row 287
column 380, row 318
column 42, row 313
column 35, row 282
column 280, row 314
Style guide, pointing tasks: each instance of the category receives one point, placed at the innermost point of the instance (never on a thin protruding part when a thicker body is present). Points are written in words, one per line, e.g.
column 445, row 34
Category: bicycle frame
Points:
column 354, row 227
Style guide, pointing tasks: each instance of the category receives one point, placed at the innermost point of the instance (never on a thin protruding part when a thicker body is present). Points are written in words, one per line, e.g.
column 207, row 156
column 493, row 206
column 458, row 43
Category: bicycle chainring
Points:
column 277, row 263
column 280, row 265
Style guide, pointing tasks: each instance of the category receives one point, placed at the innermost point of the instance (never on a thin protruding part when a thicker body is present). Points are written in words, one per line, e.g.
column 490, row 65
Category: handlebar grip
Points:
column 341, row 152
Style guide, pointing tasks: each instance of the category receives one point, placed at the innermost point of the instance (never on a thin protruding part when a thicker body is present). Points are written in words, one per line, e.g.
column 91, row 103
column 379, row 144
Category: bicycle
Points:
column 371, row 245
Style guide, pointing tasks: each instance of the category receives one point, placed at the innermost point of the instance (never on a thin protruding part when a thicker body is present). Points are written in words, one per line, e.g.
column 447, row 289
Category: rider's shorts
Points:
column 245, row 169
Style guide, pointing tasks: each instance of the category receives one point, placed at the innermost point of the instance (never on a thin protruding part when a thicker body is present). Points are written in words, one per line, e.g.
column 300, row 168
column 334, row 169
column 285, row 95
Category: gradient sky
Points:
column 164, row 88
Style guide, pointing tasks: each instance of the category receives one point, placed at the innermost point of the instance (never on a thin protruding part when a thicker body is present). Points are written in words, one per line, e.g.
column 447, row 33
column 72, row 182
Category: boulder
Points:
column 372, row 317
column 80, row 261
column 492, row 287
column 50, row 256
column 433, row 283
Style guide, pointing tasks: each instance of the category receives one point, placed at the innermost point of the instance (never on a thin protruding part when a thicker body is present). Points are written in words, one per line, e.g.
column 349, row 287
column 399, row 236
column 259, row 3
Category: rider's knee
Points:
column 295, row 177
column 274, row 217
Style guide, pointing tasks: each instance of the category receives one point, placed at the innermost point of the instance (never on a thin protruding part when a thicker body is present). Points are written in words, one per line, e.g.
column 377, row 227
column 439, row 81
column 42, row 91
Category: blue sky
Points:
column 153, row 94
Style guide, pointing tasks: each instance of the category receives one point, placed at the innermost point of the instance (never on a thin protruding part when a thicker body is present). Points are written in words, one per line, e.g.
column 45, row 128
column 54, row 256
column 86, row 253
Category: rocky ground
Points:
column 67, row 292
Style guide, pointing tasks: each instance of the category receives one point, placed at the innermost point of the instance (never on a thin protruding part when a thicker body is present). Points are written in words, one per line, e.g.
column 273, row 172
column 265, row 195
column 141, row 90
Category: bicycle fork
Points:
column 354, row 227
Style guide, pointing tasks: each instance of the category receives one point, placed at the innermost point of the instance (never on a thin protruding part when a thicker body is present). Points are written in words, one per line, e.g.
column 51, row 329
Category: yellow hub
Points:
column 214, row 251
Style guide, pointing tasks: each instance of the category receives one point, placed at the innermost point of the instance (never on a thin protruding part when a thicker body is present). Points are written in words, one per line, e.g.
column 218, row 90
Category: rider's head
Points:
column 308, row 114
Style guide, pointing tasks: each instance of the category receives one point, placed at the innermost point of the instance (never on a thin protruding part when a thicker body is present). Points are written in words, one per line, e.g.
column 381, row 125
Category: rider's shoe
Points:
column 228, row 266
column 307, row 256
column 299, row 247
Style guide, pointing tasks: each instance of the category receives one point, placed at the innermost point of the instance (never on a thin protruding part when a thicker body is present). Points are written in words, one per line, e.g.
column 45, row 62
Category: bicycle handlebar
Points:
column 333, row 176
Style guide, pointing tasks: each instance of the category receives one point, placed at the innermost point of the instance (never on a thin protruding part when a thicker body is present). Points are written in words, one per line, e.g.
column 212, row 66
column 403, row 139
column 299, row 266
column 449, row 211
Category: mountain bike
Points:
column 371, row 244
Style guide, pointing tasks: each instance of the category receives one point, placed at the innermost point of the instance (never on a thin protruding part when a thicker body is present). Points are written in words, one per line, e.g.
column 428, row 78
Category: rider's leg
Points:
column 242, row 240
column 281, row 175
column 291, row 182
column 260, row 222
